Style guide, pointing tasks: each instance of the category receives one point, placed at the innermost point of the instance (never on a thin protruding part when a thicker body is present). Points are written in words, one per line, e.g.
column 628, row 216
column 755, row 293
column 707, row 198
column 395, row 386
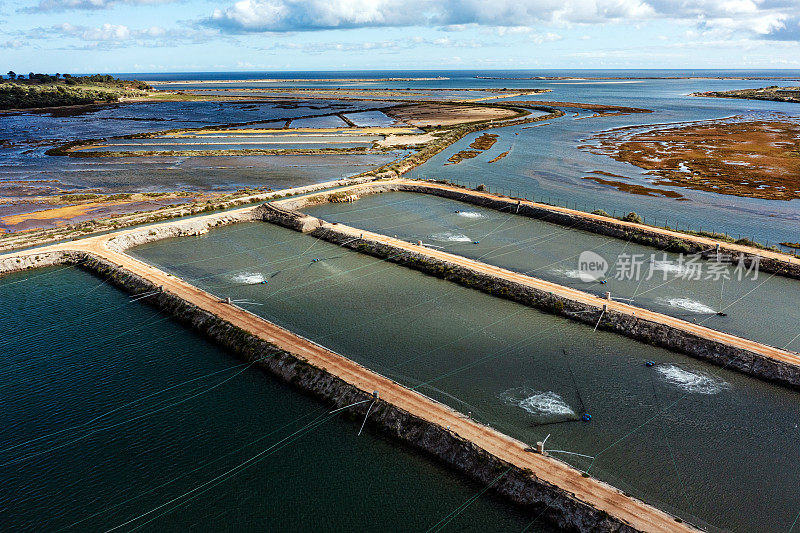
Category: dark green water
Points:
column 758, row 307
column 73, row 350
column 683, row 435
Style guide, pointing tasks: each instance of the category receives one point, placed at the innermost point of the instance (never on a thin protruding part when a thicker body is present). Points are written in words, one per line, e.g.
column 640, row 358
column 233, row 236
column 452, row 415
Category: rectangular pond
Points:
column 674, row 434
column 761, row 309
column 110, row 412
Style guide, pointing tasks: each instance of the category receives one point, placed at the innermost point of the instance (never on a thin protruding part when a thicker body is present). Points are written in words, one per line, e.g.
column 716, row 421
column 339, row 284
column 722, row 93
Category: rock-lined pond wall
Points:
column 181, row 228
column 27, row 261
column 606, row 226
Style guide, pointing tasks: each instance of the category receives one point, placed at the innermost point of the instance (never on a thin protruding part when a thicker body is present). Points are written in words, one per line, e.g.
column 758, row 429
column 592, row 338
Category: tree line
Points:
column 67, row 79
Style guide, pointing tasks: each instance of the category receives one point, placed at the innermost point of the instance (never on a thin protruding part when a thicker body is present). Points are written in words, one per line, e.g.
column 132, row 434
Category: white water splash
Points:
column 470, row 214
column 538, row 403
column 691, row 380
column 687, row 304
column 250, row 278
column 569, row 273
column 670, row 267
column 450, row 237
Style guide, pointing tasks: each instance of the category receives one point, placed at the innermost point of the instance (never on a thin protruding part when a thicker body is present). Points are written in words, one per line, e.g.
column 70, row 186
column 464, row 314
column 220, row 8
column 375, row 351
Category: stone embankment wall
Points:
column 518, row 485
column 181, row 228
column 38, row 260
column 647, row 331
column 609, row 227
column 30, row 259
column 602, row 226
column 287, row 218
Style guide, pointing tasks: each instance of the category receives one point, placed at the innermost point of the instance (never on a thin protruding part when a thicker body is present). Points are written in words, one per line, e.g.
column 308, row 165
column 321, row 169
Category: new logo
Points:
column 591, row 266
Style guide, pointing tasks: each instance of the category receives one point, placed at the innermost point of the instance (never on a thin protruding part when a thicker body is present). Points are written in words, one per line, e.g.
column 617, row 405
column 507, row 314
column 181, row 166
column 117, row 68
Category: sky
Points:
column 87, row 36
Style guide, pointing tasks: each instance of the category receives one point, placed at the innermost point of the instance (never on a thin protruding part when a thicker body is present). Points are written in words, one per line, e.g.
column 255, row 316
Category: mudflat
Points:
column 750, row 158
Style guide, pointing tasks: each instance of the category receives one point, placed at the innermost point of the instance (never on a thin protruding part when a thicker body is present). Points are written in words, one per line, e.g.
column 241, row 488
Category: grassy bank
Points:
column 772, row 93
column 50, row 91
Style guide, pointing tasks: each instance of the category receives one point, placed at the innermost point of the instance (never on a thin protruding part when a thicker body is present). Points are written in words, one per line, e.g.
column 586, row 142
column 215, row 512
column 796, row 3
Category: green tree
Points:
column 632, row 217
column 12, row 75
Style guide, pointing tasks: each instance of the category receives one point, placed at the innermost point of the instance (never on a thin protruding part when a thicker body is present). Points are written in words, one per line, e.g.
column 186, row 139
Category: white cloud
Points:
column 107, row 32
column 292, row 15
column 305, row 15
column 760, row 18
column 13, row 44
column 115, row 35
column 66, row 5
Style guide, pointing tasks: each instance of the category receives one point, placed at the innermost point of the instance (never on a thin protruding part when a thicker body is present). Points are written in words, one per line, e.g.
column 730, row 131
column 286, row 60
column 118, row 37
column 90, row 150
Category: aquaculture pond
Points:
column 758, row 306
column 112, row 414
column 125, row 119
column 716, row 447
column 30, row 175
column 27, row 171
column 371, row 118
column 234, row 144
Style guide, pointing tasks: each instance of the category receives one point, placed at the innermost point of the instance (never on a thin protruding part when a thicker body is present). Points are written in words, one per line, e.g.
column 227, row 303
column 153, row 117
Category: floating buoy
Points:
column 650, row 363
column 586, row 417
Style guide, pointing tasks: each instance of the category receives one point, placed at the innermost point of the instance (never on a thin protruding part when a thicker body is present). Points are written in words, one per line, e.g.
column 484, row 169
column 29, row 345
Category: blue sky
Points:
column 83, row 36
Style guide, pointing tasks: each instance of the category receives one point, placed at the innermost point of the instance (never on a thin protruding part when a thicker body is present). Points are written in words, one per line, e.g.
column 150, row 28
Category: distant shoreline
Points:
column 296, row 80
column 574, row 78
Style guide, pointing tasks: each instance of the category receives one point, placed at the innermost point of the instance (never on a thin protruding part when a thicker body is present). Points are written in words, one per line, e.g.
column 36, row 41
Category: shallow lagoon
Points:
column 546, row 161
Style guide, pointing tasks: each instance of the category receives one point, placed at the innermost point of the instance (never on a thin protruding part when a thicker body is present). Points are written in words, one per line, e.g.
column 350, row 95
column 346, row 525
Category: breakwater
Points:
column 749, row 357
